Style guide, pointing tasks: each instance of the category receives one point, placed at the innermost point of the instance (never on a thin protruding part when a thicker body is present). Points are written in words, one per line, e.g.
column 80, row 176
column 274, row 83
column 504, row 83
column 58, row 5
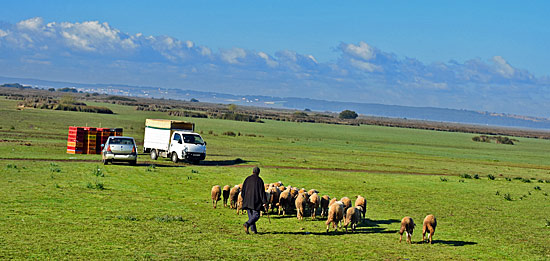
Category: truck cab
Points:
column 187, row 146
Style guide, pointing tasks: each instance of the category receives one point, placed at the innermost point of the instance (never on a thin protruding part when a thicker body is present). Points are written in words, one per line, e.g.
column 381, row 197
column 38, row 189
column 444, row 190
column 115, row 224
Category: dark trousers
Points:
column 253, row 216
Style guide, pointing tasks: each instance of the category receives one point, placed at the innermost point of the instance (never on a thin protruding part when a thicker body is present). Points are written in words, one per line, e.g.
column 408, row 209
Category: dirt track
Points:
column 169, row 164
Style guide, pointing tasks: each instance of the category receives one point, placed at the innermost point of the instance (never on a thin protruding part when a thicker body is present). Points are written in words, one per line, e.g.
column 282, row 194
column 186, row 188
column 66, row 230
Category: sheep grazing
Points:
column 407, row 225
column 361, row 201
column 429, row 226
column 314, row 202
column 353, row 217
column 225, row 193
column 284, row 202
column 234, row 196
column 347, row 203
column 311, row 191
column 324, row 205
column 282, row 188
column 274, row 197
column 335, row 215
column 240, row 204
column 216, row 193
column 300, row 202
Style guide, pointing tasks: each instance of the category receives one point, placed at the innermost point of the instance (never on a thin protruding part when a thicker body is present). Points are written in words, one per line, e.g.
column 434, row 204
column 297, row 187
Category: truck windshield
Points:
column 193, row 139
column 122, row 141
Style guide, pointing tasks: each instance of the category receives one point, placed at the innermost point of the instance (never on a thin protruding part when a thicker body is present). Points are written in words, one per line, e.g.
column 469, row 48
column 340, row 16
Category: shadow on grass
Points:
column 331, row 232
column 450, row 242
column 223, row 162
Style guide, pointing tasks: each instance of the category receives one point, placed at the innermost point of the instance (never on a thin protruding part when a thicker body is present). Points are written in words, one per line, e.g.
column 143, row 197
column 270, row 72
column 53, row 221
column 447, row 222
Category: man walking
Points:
column 254, row 197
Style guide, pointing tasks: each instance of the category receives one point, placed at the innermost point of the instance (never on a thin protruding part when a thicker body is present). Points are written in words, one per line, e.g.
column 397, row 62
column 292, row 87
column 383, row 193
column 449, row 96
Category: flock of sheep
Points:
column 339, row 213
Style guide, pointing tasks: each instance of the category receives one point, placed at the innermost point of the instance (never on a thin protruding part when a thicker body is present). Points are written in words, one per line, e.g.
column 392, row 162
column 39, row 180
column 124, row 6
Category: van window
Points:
column 177, row 137
column 193, row 139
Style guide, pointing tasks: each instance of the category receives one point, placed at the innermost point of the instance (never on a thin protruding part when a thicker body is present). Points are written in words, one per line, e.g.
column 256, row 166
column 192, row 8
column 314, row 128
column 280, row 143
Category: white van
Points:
column 173, row 139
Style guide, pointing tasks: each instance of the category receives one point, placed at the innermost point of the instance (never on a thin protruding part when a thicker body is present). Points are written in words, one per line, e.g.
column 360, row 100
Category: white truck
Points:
column 173, row 139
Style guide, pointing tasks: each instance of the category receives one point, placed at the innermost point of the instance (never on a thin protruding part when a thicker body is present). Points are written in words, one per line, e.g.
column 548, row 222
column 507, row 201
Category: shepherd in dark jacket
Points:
column 254, row 197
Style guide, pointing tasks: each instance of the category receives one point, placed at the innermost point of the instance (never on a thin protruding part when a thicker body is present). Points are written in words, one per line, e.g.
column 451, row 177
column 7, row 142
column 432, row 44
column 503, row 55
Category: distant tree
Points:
column 307, row 109
column 347, row 114
column 232, row 107
column 51, row 89
column 66, row 89
column 194, row 100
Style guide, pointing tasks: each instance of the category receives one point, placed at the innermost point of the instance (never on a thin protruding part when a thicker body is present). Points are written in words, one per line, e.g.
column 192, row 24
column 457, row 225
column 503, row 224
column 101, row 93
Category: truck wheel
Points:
column 175, row 157
column 154, row 154
column 133, row 162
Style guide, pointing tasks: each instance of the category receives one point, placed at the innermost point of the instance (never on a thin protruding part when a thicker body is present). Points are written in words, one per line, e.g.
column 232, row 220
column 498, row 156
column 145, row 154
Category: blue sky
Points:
column 429, row 31
column 479, row 55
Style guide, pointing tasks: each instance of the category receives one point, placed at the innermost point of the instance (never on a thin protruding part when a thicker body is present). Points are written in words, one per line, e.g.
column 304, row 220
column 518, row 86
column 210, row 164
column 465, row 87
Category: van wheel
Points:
column 133, row 162
column 105, row 162
column 154, row 154
column 175, row 157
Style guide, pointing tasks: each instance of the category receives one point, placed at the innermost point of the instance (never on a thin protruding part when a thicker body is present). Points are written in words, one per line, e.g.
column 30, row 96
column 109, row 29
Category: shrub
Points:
column 347, row 114
column 443, row 179
column 465, row 176
column 526, row 180
column 98, row 172
column 518, row 178
column 508, row 197
column 537, row 188
column 461, row 180
column 491, row 177
column 547, row 223
column 229, row 133
column 476, row 176
column 168, row 218
column 151, row 168
column 498, row 193
column 541, row 181
column 508, row 179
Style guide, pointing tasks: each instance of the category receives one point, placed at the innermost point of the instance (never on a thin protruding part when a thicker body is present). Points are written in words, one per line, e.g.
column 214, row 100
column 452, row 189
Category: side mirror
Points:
column 205, row 143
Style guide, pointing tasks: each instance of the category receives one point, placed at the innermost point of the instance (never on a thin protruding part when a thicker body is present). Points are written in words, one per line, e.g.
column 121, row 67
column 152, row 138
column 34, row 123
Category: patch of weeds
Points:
column 151, row 168
column 443, row 179
column 545, row 194
column 508, row 179
column 508, row 197
column 525, row 180
column 54, row 167
column 537, row 188
column 465, row 176
column 95, row 185
column 498, row 193
column 476, row 176
column 541, row 181
column 518, row 178
column 194, row 171
column 128, row 218
column 461, row 180
column 57, row 186
column 11, row 166
column 547, row 223
column 12, row 127
column 491, row 177
column 98, row 172
column 169, row 218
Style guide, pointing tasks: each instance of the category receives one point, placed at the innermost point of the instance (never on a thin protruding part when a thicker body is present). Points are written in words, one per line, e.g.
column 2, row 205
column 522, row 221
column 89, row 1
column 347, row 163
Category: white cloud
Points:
column 3, row 33
column 233, row 55
column 502, row 67
column 365, row 66
column 31, row 24
column 362, row 51
column 270, row 62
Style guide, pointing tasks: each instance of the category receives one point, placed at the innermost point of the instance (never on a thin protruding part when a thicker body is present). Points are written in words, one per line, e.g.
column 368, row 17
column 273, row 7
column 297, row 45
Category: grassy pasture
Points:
column 52, row 205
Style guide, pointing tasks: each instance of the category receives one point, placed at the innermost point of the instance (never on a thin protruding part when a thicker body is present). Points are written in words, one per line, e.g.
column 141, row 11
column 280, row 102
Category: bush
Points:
column 525, row 180
column 347, row 114
column 491, row 177
column 168, row 218
column 229, row 133
column 443, row 179
column 537, row 188
column 508, row 179
column 98, row 172
column 465, row 176
column 508, row 197
column 476, row 176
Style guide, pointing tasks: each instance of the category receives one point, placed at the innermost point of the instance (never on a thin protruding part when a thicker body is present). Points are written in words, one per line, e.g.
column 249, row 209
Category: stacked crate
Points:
column 90, row 143
column 116, row 132
column 76, row 140
column 101, row 137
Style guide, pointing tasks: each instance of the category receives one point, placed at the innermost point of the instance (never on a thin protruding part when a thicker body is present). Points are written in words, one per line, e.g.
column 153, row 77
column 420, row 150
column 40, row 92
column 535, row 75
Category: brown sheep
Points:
column 284, row 202
column 361, row 201
column 353, row 217
column 311, row 191
column 407, row 225
column 347, row 203
column 266, row 186
column 216, row 193
column 234, row 196
column 300, row 202
column 324, row 205
column 335, row 215
column 274, row 199
column 240, row 204
column 332, row 201
column 241, row 186
column 282, row 188
column 314, row 202
column 278, row 184
column 225, row 193
column 429, row 226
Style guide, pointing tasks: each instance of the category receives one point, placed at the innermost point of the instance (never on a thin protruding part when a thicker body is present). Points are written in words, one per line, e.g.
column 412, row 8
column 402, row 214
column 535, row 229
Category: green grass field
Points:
column 52, row 204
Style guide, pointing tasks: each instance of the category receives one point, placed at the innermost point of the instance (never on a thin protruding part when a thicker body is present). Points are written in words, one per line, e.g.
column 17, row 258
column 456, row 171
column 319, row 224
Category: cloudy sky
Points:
column 490, row 56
